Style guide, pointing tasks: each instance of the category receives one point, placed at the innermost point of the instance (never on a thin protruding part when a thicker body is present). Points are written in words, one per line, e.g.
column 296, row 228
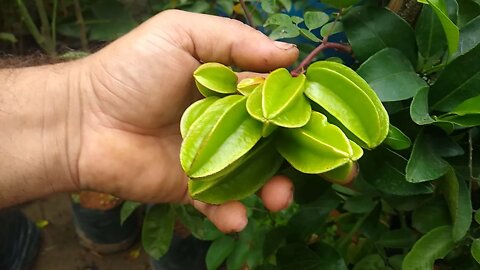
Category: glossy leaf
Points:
column 128, row 208
column 430, row 37
column 434, row 245
column 391, row 75
column 215, row 77
column 316, row 147
column 306, row 33
column 331, row 28
column 425, row 163
column 369, row 30
column 458, row 199
column 280, row 101
column 348, row 98
column 278, row 19
column 285, row 31
column 469, row 36
column 450, row 29
column 315, row 19
column 419, row 108
column 246, row 176
column 246, row 86
column 219, row 251
column 221, row 135
column 385, row 170
column 457, row 83
column 475, row 250
column 157, row 230
column 469, row 106
column 397, row 140
column 193, row 112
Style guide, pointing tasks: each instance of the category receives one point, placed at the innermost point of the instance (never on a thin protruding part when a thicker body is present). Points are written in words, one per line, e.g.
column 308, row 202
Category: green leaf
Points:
column 287, row 4
column 477, row 216
column 296, row 20
column 274, row 239
column 359, row 204
column 400, row 238
column 218, row 252
column 431, row 39
column 306, row 33
column 193, row 112
column 391, row 75
column 316, row 147
column 8, row 37
column 269, row 6
column 397, row 140
column 369, row 30
column 370, row 262
column 300, row 256
column 469, row 106
column 475, row 250
column 278, row 19
column 434, row 245
column 469, row 36
column 331, row 29
column 215, row 77
column 285, row 31
column 425, row 163
column 457, row 83
column 419, row 108
column 430, row 215
column 113, row 21
column 128, row 208
column 243, row 179
column 315, row 19
column 450, row 29
column 349, row 99
column 248, row 249
column 197, row 223
column 340, row 3
column 280, row 100
column 467, row 11
column 157, row 230
column 385, row 170
column 221, row 135
column 226, row 6
column 458, row 199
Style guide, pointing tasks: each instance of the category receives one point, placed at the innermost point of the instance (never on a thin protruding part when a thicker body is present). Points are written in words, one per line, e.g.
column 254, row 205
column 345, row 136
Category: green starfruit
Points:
column 214, row 79
column 221, row 135
column 350, row 100
column 280, row 101
column 249, row 174
column 193, row 112
column 317, row 147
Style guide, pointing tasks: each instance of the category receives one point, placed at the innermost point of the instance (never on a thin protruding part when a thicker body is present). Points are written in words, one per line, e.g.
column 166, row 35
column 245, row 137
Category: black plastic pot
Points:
column 101, row 231
column 184, row 254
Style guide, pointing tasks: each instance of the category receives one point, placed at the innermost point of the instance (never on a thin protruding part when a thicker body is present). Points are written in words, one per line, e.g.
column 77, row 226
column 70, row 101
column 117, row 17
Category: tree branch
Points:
column 248, row 14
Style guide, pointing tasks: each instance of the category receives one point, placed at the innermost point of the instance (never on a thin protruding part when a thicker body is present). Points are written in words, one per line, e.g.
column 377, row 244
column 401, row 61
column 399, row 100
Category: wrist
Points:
column 40, row 136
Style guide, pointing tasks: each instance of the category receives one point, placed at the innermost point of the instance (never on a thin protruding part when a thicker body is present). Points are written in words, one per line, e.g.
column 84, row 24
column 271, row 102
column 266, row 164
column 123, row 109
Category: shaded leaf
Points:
column 396, row 139
column 434, row 245
column 157, row 230
column 370, row 262
column 128, row 208
column 315, row 19
column 430, row 37
column 331, row 28
column 300, row 256
column 430, row 215
column 306, row 33
column 391, row 75
column 419, row 108
column 400, row 238
column 469, row 36
column 475, row 250
column 219, row 251
column 425, row 163
column 457, row 83
column 369, row 30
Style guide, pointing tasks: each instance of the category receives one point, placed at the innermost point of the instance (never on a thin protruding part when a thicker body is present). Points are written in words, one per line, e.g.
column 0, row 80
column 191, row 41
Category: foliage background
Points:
column 413, row 206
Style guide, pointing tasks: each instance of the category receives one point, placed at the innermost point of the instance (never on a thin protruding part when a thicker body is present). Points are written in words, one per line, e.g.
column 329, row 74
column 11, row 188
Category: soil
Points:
column 60, row 248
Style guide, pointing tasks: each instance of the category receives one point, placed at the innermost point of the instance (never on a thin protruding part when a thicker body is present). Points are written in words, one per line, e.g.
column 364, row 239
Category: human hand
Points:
column 133, row 93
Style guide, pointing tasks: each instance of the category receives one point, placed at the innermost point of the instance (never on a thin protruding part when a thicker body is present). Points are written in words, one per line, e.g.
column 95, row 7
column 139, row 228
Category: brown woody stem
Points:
column 248, row 14
column 325, row 45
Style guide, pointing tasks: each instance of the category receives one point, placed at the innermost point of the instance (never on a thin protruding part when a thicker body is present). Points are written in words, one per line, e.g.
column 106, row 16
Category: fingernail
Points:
column 284, row 45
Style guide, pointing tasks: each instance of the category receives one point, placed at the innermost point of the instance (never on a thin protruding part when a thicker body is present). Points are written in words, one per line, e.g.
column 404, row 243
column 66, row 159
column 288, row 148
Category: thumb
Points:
column 216, row 39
